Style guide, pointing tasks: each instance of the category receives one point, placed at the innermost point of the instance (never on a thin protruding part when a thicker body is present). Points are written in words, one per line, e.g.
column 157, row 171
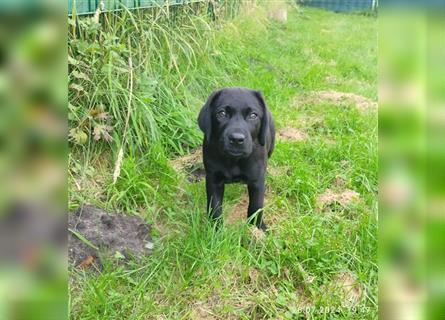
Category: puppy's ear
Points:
column 265, row 120
column 205, row 115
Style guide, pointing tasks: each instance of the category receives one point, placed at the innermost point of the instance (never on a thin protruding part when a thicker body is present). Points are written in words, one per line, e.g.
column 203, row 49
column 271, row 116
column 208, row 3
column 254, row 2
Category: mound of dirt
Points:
column 191, row 165
column 291, row 134
column 94, row 233
column 344, row 198
column 362, row 103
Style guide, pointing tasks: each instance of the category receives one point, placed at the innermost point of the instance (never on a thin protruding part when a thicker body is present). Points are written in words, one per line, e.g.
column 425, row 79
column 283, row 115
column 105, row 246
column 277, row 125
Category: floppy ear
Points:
column 266, row 118
column 205, row 115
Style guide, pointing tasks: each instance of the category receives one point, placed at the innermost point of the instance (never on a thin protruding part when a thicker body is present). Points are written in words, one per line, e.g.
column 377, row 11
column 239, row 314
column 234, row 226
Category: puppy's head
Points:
column 236, row 119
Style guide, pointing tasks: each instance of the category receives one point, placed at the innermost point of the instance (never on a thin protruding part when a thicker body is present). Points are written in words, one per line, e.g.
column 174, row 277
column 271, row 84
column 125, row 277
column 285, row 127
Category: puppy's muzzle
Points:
column 237, row 143
column 237, row 139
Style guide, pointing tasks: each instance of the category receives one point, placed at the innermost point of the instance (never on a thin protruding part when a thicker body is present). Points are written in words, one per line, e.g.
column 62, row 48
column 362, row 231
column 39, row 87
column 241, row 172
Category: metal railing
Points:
column 341, row 5
column 85, row 7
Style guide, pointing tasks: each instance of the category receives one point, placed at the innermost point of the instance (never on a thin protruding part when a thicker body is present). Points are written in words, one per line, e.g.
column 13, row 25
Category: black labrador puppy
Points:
column 239, row 137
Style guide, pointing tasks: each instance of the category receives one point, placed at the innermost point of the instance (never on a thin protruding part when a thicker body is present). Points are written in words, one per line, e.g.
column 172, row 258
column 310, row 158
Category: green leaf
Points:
column 118, row 255
column 83, row 239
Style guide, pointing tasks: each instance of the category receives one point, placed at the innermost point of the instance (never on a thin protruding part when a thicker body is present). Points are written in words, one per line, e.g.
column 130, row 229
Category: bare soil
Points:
column 239, row 212
column 191, row 165
column 120, row 236
column 343, row 197
column 292, row 134
column 362, row 103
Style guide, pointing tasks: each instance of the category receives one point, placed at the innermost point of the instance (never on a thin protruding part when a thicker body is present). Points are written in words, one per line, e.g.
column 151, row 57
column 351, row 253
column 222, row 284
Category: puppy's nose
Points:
column 237, row 138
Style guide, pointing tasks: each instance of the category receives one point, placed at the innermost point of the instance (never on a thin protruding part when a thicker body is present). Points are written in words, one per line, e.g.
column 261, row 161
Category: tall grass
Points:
column 152, row 68
column 165, row 44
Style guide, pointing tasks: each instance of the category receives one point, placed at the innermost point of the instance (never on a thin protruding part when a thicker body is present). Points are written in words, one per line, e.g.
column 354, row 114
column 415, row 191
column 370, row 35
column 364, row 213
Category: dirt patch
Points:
column 344, row 198
column 362, row 103
column 94, row 233
column 291, row 134
column 191, row 165
column 339, row 181
column 192, row 158
column 345, row 286
column 239, row 212
column 203, row 311
column 196, row 174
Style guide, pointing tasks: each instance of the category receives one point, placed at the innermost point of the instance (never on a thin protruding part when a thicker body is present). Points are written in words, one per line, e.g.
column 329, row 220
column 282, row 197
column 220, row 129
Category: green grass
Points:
column 195, row 272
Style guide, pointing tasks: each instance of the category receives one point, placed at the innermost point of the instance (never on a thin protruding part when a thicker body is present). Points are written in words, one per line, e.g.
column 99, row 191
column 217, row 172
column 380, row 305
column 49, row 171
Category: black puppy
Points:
column 239, row 137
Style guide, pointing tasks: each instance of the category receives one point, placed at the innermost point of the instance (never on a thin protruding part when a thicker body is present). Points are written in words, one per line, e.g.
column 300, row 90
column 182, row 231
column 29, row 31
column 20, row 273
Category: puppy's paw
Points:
column 263, row 227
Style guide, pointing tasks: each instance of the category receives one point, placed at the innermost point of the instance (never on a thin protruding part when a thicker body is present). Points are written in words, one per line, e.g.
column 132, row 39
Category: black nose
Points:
column 237, row 138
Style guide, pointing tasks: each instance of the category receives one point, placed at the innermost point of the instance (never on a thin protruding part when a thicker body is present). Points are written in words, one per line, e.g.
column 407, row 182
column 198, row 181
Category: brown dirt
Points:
column 204, row 309
column 362, row 103
column 292, row 134
column 116, row 235
column 344, row 198
column 181, row 162
column 191, row 165
column 339, row 181
column 239, row 212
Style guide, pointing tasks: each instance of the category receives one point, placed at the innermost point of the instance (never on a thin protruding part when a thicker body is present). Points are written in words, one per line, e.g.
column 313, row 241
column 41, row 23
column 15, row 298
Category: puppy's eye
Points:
column 253, row 116
column 221, row 114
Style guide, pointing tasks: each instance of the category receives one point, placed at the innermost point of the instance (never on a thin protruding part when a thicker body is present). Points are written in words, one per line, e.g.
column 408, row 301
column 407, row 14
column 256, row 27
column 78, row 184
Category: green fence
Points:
column 83, row 7
column 341, row 5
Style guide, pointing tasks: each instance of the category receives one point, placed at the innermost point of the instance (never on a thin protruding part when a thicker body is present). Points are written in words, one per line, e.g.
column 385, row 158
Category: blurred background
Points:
column 33, row 160
column 33, row 140
column 412, row 154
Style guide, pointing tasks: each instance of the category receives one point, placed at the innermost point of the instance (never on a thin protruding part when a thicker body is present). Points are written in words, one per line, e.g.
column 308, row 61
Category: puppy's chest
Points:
column 233, row 174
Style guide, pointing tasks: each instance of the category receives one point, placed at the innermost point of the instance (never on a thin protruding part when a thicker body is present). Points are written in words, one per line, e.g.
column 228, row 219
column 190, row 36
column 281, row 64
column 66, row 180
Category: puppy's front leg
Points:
column 215, row 194
column 256, row 202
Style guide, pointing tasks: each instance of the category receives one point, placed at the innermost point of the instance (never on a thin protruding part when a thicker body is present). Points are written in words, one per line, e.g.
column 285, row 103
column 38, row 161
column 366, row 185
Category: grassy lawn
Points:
column 318, row 73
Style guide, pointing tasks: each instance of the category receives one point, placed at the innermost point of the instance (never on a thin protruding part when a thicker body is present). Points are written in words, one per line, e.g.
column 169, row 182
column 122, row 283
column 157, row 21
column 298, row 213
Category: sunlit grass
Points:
column 196, row 272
